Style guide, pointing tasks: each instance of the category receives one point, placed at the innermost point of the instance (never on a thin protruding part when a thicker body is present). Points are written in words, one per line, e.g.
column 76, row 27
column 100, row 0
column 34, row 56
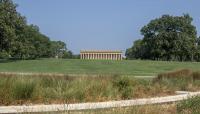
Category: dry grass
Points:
column 18, row 90
column 183, row 73
column 184, row 80
column 48, row 89
column 147, row 109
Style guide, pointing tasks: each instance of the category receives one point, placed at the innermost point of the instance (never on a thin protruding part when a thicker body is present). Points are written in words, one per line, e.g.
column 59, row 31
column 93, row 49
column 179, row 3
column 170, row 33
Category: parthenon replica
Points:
column 101, row 54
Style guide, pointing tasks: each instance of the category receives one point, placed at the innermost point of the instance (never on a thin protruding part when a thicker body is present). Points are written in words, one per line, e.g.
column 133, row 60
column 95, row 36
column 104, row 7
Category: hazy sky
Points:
column 101, row 24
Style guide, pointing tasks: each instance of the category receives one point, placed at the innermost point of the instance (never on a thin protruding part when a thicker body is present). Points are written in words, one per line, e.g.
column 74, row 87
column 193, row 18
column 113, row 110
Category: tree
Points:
column 68, row 55
column 135, row 51
column 58, row 49
column 197, row 55
column 19, row 40
column 198, row 41
column 168, row 38
column 9, row 21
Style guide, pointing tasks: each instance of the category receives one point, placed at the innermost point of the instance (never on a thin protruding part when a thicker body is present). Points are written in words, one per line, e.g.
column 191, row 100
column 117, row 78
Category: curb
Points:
column 97, row 105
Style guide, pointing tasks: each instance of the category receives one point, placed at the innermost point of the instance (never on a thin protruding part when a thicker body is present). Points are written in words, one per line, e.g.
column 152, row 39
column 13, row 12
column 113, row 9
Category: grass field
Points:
column 75, row 66
column 55, row 89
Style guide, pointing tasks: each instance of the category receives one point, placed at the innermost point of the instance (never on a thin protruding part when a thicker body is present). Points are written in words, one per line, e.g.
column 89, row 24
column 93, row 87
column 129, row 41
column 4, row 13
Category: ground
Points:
column 76, row 66
column 38, row 89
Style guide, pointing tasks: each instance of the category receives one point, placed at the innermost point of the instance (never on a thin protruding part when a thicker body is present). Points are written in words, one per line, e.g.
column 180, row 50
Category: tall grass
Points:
column 180, row 74
column 23, row 89
column 185, row 79
column 189, row 106
column 66, row 89
column 146, row 109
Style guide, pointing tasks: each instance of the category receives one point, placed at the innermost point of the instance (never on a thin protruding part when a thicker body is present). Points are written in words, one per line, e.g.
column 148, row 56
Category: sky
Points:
column 101, row 24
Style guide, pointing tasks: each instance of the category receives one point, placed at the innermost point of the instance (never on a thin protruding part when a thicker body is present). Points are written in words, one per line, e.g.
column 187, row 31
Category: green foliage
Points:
column 189, row 106
column 197, row 54
column 167, row 38
column 22, row 41
column 4, row 55
column 135, row 52
column 68, row 55
column 59, row 49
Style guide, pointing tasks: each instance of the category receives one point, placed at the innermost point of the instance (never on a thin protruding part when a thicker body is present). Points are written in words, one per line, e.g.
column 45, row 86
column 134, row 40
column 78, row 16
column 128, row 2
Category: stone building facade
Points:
column 101, row 55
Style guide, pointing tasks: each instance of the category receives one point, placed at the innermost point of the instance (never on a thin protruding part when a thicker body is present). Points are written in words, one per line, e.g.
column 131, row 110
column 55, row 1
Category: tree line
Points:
column 169, row 38
column 19, row 40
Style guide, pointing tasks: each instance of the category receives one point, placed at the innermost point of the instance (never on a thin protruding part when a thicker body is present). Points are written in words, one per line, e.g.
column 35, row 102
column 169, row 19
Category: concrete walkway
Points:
column 98, row 105
column 61, row 74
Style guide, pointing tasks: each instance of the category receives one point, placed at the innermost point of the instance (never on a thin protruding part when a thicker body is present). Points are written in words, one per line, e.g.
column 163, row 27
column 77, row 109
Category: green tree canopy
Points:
column 22, row 41
column 135, row 51
column 167, row 38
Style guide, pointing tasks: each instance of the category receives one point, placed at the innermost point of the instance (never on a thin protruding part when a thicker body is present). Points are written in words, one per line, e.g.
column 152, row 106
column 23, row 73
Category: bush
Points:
column 189, row 106
column 4, row 55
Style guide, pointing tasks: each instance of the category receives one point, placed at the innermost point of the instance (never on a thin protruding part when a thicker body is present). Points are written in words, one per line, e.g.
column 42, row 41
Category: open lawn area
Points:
column 76, row 66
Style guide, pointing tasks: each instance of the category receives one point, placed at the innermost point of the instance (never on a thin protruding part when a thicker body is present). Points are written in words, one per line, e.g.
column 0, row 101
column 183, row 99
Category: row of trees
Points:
column 170, row 38
column 22, row 41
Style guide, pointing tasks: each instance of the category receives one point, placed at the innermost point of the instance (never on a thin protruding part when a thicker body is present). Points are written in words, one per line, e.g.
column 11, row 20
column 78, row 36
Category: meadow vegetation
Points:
column 184, row 80
column 74, row 89
column 30, row 89
column 147, row 109
column 189, row 106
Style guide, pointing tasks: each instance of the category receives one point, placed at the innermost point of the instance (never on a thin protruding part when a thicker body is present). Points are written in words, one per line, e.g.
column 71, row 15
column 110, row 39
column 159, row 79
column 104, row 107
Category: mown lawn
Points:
column 75, row 66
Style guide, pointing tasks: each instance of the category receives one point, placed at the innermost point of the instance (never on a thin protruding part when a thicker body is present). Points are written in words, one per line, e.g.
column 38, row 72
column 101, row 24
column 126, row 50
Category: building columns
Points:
column 101, row 55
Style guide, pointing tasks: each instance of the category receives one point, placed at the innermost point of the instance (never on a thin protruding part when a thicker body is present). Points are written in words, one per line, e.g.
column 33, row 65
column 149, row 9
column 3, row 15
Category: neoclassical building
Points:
column 101, row 54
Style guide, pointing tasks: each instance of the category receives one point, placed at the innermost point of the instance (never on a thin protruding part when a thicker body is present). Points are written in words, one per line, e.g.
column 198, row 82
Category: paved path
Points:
column 98, row 105
column 60, row 74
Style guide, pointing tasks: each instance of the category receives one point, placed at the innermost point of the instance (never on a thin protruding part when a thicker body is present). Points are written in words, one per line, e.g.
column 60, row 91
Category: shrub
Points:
column 4, row 55
column 189, row 106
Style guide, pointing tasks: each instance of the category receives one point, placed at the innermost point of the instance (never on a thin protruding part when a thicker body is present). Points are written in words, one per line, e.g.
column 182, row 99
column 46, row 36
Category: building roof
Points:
column 101, row 51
